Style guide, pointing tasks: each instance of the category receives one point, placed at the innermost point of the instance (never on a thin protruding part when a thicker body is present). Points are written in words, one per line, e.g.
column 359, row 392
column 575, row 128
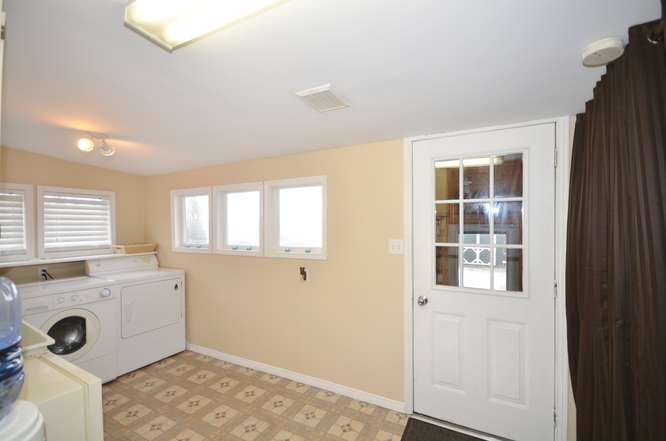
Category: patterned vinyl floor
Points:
column 192, row 397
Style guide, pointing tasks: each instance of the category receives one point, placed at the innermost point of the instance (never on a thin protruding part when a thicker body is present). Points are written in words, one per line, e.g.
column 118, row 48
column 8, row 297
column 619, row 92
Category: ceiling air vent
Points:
column 322, row 99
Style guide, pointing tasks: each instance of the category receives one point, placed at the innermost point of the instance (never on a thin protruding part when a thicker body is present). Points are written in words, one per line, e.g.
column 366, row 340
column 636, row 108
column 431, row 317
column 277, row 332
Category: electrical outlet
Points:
column 396, row 246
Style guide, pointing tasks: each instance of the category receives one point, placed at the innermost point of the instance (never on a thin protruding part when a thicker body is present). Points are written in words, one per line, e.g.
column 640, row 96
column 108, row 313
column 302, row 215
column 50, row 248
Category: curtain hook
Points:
column 657, row 35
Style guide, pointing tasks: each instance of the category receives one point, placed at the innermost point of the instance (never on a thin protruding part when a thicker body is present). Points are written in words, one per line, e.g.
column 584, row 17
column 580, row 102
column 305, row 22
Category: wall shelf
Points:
column 33, row 262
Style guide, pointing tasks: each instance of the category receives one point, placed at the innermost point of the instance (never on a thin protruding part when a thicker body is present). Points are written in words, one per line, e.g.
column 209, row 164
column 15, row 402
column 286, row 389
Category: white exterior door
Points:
column 484, row 264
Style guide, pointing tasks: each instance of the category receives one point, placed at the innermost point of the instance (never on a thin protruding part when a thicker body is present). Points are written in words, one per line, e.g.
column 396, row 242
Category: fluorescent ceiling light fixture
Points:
column 175, row 23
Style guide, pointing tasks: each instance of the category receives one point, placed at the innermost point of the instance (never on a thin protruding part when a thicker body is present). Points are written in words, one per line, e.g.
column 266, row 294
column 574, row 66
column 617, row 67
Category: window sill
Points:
column 294, row 255
column 191, row 250
column 246, row 253
column 32, row 262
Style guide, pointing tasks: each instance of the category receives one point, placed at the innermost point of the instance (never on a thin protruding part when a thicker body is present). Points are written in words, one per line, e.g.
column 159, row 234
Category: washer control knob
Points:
column 75, row 298
column 106, row 292
column 61, row 299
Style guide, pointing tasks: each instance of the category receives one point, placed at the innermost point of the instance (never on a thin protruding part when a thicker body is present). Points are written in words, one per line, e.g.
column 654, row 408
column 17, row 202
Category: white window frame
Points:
column 219, row 215
column 29, row 220
column 42, row 253
column 177, row 220
column 272, row 218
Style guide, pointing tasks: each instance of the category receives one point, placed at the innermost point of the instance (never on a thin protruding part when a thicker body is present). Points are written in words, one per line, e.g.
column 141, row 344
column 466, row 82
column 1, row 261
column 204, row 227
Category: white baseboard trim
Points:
column 350, row 392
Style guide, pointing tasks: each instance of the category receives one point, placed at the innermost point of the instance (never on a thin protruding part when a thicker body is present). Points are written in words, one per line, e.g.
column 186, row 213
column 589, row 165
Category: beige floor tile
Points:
column 250, row 394
column 278, row 404
column 220, row 416
column 224, row 385
column 250, row 429
column 188, row 435
column 192, row 397
column 181, row 369
column 170, row 393
column 201, row 377
column 155, row 428
column 283, row 435
column 193, row 404
column 132, row 414
column 310, row 416
column 112, row 401
column 148, row 384
column 346, row 428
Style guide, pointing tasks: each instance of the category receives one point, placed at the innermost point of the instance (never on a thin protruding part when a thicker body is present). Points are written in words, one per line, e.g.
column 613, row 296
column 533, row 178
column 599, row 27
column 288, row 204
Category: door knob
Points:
column 422, row 301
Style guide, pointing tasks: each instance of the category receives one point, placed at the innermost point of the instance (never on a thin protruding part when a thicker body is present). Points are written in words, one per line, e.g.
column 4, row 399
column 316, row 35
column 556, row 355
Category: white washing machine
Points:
column 82, row 315
column 152, row 308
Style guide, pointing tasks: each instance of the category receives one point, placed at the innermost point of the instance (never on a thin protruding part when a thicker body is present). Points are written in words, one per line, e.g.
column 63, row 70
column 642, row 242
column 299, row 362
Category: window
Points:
column 16, row 222
column 238, row 215
column 191, row 220
column 75, row 222
column 296, row 210
column 479, row 223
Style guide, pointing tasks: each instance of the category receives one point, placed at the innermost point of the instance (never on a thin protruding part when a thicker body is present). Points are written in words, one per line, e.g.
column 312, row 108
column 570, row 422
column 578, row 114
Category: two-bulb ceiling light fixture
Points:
column 175, row 23
column 90, row 143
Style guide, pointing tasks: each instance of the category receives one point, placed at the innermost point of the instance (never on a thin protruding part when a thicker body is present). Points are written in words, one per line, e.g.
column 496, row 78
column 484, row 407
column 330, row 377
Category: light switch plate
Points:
column 396, row 246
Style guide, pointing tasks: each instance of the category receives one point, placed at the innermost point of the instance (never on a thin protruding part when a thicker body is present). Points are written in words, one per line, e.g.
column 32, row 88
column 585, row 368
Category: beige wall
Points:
column 346, row 323
column 21, row 167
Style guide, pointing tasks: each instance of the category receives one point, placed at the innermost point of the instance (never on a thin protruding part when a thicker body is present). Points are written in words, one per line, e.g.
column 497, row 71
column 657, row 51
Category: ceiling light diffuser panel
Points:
column 175, row 23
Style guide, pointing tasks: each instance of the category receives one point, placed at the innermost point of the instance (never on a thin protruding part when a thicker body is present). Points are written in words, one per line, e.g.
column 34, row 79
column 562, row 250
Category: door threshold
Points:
column 457, row 428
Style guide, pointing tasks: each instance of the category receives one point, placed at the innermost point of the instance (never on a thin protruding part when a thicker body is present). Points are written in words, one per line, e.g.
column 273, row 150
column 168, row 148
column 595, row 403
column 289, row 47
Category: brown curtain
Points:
column 616, row 256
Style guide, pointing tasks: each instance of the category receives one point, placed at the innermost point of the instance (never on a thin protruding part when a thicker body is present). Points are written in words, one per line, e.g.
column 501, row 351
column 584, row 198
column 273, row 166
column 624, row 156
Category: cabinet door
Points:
column 150, row 306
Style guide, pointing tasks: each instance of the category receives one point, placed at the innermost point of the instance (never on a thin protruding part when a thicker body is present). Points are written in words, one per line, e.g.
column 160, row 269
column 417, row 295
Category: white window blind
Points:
column 76, row 222
column 14, row 243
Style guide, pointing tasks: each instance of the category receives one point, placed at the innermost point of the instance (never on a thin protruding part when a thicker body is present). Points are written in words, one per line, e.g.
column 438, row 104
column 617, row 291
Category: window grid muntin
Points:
column 491, row 200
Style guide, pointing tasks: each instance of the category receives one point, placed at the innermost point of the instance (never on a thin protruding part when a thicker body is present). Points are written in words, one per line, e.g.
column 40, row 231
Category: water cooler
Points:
column 19, row 420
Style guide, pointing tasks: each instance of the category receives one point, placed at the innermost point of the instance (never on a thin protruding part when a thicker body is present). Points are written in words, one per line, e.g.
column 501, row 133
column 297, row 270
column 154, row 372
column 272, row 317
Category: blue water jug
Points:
column 11, row 362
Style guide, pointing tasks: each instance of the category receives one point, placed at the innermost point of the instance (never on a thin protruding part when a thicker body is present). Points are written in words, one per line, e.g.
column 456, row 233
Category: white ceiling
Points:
column 407, row 67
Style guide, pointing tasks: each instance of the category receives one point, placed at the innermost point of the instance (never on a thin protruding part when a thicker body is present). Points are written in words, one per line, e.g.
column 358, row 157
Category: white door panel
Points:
column 484, row 260
column 151, row 305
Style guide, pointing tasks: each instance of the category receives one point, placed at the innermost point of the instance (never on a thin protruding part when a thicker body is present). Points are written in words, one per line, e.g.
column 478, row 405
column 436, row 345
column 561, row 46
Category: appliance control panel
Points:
column 68, row 299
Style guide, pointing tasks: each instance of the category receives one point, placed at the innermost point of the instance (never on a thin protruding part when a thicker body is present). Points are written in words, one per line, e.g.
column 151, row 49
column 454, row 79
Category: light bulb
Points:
column 86, row 145
column 106, row 150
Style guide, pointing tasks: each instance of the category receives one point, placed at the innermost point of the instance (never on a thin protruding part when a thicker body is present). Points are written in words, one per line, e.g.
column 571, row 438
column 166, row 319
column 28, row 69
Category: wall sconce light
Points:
column 90, row 142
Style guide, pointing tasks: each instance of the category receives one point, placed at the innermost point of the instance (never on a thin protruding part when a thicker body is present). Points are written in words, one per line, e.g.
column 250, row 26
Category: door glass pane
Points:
column 476, row 181
column 243, row 218
column 509, row 175
column 476, row 267
column 508, row 218
column 477, row 223
column 447, row 180
column 446, row 266
column 508, row 270
column 447, row 223
column 196, row 221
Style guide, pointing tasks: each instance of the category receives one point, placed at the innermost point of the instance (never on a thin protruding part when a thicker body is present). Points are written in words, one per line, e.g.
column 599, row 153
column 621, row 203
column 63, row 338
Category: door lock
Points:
column 422, row 301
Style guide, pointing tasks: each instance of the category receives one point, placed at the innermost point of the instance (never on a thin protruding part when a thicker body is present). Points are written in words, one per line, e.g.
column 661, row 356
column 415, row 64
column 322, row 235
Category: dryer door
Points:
column 75, row 332
column 152, row 305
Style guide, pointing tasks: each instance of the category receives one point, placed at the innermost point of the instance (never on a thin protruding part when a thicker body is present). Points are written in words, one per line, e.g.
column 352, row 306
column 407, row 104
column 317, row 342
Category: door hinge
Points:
column 554, row 419
column 555, row 159
column 2, row 32
column 555, row 289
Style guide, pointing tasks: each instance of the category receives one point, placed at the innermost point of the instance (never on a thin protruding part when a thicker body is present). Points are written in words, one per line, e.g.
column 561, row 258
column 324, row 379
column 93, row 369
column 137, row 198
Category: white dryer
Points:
column 82, row 315
column 152, row 308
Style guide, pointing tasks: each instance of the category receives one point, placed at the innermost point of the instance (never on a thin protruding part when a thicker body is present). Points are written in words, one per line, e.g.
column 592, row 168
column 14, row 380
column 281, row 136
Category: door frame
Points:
column 561, row 160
